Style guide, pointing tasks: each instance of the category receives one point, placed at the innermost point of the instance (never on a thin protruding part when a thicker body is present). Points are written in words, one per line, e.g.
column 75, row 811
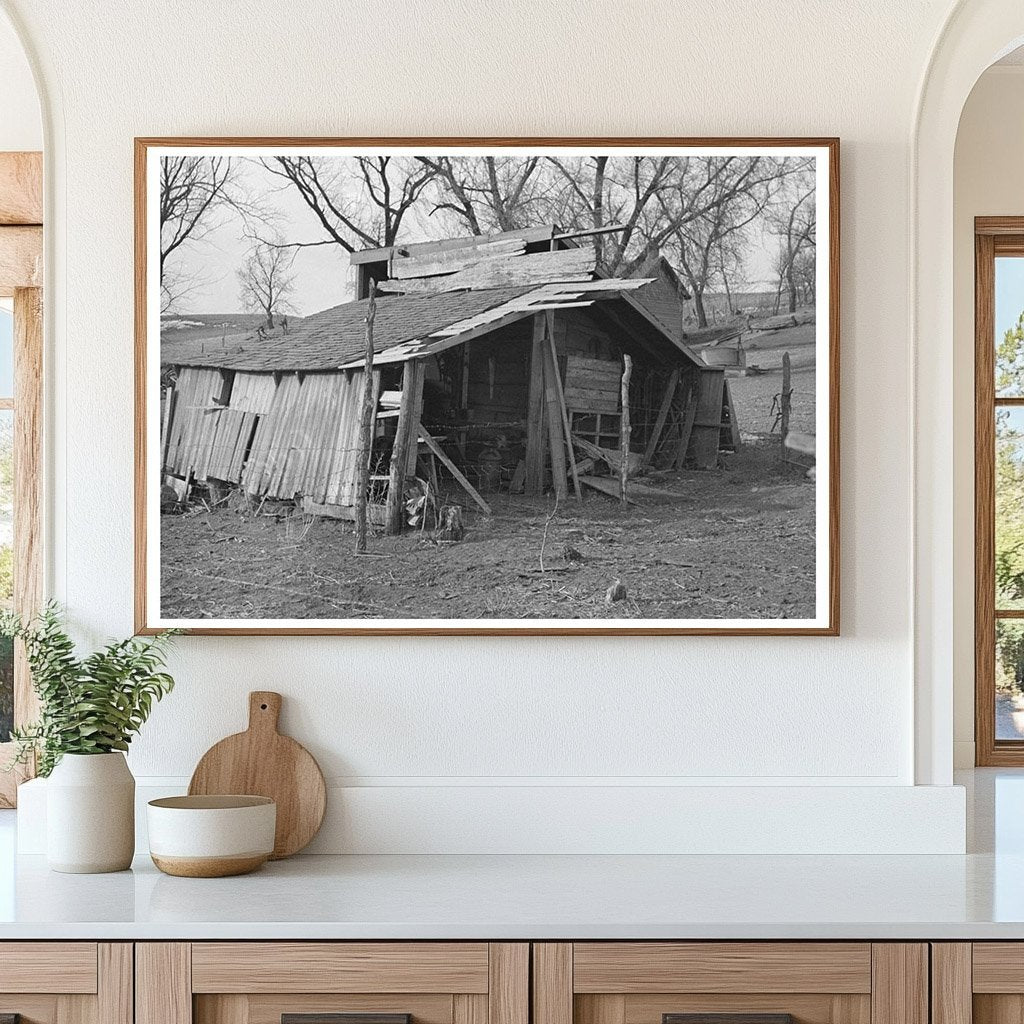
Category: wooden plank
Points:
column 592, row 401
column 339, row 967
column 66, row 967
column 629, row 967
column 606, row 485
column 555, row 430
column 734, row 425
column 115, row 983
column 625, row 429
column 686, row 431
column 453, row 469
column 450, row 261
column 21, row 188
column 951, row 999
column 552, row 983
column 535, row 412
column 28, row 483
column 659, row 423
column 899, row 983
column 403, row 454
column 549, row 325
column 163, row 983
column 584, row 364
column 508, row 991
column 705, row 439
column 565, row 265
column 21, row 259
column 998, row 967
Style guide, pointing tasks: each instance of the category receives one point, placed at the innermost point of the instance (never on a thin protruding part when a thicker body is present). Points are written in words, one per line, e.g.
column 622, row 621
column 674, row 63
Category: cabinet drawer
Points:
column 66, row 982
column 64, row 967
column 332, row 983
column 730, row 983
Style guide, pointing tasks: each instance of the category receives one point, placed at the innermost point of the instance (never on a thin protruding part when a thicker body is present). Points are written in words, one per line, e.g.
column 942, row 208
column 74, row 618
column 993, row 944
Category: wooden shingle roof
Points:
column 327, row 340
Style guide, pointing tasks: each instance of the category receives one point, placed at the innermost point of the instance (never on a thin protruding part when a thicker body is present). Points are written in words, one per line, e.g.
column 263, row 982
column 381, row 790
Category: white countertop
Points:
column 977, row 896
column 516, row 897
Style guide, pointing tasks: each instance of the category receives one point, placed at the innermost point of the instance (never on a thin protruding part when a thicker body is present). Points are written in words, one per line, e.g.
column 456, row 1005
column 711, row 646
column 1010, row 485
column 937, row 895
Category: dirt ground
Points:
column 737, row 542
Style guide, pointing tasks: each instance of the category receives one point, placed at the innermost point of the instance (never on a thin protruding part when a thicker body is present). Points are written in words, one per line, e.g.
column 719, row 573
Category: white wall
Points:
column 987, row 181
column 21, row 126
column 428, row 715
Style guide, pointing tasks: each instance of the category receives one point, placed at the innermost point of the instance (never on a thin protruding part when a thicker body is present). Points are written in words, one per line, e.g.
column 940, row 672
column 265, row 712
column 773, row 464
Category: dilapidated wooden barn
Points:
column 498, row 366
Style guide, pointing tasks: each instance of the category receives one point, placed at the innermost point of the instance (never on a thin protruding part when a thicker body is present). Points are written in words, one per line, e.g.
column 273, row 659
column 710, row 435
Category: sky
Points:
column 1009, row 293
column 323, row 276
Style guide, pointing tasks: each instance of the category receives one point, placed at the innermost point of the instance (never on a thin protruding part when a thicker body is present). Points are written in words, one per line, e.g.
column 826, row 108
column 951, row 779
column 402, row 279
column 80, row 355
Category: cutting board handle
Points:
column 264, row 710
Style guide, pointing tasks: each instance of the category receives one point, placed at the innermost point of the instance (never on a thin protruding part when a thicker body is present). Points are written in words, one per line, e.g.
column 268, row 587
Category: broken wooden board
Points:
column 453, row 469
column 452, row 261
column 504, row 271
column 606, row 485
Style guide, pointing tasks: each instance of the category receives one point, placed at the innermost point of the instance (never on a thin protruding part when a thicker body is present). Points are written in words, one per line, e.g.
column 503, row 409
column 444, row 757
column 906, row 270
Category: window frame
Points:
column 21, row 272
column 993, row 237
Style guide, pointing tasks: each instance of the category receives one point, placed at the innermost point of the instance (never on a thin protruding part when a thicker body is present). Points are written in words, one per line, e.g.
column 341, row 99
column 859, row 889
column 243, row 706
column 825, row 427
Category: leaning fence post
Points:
column 365, row 427
column 785, row 400
column 624, row 428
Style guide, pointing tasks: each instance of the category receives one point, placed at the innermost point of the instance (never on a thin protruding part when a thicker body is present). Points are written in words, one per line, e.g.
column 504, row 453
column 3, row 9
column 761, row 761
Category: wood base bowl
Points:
column 211, row 836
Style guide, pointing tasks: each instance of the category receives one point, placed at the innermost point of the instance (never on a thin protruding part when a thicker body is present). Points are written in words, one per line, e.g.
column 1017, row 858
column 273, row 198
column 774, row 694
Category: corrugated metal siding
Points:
column 252, row 392
column 307, row 443
column 202, row 437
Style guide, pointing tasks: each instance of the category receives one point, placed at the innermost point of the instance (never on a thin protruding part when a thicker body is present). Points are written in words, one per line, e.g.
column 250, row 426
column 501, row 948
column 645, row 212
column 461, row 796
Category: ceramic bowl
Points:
column 211, row 836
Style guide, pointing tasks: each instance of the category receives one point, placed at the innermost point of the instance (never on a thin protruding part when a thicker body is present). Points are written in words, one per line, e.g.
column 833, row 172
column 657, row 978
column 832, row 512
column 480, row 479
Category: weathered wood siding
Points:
column 307, row 443
column 203, row 437
column 499, row 375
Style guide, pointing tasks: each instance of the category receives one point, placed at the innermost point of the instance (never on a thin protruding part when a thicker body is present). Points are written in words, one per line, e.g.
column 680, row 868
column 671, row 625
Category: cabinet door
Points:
column 730, row 983
column 332, row 983
column 980, row 982
column 65, row 983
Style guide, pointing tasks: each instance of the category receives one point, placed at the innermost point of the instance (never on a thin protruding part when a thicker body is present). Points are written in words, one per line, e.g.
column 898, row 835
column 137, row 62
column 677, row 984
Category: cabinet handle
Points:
column 335, row 1018
column 727, row 1018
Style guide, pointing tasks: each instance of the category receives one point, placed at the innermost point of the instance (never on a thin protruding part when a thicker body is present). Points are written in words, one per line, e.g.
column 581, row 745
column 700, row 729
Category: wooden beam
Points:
column 453, row 469
column 556, row 436
column 659, row 423
column 734, row 425
column 549, row 324
column 21, row 188
column 21, row 259
column 624, row 428
column 535, row 412
column 689, row 415
column 28, row 483
column 403, row 454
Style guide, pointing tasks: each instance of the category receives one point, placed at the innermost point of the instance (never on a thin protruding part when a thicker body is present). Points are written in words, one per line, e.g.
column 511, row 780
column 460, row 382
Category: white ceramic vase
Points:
column 90, row 814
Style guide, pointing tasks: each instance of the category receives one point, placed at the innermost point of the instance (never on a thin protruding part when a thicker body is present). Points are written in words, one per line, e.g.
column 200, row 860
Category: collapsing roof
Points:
column 448, row 294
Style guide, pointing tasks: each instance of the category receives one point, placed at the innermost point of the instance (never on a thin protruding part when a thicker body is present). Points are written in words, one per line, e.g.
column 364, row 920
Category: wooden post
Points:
column 785, row 401
column 366, row 421
column 659, row 423
column 534, row 483
column 554, row 421
column 403, row 453
column 550, row 323
column 624, row 429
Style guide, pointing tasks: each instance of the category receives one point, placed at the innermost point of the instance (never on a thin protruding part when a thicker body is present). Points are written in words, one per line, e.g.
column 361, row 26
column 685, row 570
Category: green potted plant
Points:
column 90, row 708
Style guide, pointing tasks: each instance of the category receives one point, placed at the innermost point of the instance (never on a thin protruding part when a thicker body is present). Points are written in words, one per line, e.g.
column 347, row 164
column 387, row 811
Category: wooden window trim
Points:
column 993, row 237
column 21, row 268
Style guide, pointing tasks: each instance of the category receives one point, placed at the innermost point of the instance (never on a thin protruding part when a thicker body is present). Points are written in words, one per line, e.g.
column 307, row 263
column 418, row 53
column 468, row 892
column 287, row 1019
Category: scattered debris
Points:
column 450, row 524
column 616, row 592
column 570, row 554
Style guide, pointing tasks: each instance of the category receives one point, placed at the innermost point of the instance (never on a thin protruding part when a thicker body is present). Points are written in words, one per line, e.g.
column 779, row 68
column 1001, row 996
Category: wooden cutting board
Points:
column 262, row 762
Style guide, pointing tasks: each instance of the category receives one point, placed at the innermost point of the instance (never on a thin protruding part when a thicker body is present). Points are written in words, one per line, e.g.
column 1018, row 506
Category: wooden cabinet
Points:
column 978, row 983
column 653, row 982
column 264, row 982
column 66, row 982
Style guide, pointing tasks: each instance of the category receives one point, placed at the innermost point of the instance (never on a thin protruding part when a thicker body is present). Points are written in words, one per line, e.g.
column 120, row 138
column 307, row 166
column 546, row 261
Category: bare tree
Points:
column 359, row 203
column 192, row 190
column 491, row 193
column 795, row 224
column 266, row 281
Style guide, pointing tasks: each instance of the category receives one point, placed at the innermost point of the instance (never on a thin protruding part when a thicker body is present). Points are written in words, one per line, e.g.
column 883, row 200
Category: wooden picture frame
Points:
column 825, row 619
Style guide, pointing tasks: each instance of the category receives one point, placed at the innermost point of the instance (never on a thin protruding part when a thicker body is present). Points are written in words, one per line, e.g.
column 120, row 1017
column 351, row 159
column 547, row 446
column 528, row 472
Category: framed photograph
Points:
column 499, row 386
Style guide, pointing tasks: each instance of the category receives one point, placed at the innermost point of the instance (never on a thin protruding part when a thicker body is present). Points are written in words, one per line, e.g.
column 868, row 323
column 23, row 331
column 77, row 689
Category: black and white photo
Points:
column 585, row 386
